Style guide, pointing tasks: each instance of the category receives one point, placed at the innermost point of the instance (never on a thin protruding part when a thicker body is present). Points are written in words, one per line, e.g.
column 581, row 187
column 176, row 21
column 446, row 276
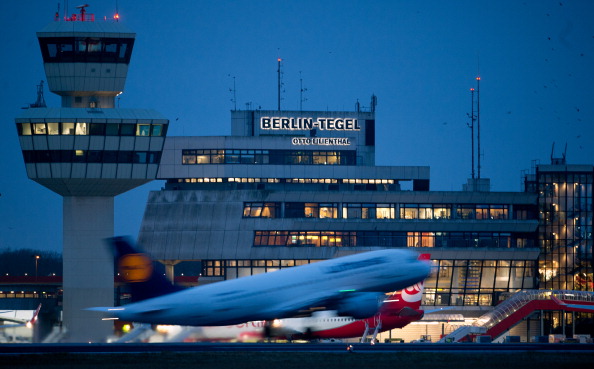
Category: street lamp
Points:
column 36, row 264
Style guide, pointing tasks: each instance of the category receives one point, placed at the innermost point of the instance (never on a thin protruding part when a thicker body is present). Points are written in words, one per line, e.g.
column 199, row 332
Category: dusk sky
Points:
column 420, row 58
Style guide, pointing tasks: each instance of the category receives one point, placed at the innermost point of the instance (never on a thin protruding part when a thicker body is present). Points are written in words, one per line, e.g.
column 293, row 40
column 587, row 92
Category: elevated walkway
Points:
column 522, row 304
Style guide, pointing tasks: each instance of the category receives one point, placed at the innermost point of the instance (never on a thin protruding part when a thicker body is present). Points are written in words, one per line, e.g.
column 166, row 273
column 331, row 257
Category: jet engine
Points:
column 360, row 305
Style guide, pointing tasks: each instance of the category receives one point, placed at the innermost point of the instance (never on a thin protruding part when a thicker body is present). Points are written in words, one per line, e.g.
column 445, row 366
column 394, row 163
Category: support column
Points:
column 88, row 267
column 170, row 269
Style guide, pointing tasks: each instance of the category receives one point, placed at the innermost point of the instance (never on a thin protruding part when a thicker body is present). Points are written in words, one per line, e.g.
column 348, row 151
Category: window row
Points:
column 93, row 129
column 86, row 49
column 373, row 211
column 91, row 156
column 390, row 239
column 275, row 157
column 232, row 269
column 290, row 180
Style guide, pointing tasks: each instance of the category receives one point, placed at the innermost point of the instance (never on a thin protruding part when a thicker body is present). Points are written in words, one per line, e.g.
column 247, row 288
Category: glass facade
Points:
column 231, row 269
column 91, row 156
column 565, row 229
column 274, row 157
column 86, row 49
column 391, row 239
column 389, row 211
column 92, row 129
column 477, row 282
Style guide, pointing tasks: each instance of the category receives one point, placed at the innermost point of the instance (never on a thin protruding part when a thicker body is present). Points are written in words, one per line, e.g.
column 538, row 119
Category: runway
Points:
column 291, row 347
column 296, row 356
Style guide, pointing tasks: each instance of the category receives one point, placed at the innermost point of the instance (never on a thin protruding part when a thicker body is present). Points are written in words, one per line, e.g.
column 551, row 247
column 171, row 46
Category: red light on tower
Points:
column 116, row 16
column 478, row 78
column 472, row 89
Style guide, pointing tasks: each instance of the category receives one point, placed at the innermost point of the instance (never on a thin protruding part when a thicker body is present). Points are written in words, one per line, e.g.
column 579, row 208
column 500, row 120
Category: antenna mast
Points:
column 234, row 99
column 40, row 102
column 279, row 83
column 301, row 91
column 471, row 125
column 478, row 122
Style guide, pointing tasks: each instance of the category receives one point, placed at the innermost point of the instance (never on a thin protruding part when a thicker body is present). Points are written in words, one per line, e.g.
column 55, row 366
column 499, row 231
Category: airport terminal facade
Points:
column 285, row 188
column 293, row 187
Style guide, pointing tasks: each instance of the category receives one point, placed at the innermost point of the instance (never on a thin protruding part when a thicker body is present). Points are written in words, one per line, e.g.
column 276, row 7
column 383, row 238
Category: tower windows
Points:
column 86, row 49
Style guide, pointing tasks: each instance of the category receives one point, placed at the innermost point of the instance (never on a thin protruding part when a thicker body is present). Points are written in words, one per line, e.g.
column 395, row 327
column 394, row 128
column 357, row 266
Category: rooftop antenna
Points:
column 301, row 91
column 279, row 84
column 478, row 124
column 116, row 16
column 373, row 103
column 83, row 11
column 562, row 159
column 40, row 102
column 234, row 99
column 471, row 126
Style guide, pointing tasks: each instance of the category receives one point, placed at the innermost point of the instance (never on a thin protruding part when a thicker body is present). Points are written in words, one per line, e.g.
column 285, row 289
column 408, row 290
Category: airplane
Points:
column 11, row 316
column 352, row 285
column 398, row 310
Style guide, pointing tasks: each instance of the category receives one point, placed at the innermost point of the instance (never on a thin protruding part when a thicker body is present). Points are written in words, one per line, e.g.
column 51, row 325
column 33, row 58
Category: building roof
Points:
column 87, row 114
column 89, row 29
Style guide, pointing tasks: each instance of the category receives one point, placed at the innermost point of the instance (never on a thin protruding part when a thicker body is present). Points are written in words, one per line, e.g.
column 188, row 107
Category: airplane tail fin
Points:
column 425, row 257
column 144, row 277
column 35, row 315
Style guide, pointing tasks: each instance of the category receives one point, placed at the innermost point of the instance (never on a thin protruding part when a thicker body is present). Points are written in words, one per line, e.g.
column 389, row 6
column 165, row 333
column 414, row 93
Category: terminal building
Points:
column 285, row 188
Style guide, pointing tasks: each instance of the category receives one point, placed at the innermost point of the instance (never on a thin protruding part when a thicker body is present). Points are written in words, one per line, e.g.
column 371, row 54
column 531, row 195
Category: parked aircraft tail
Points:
column 406, row 302
column 19, row 322
column 144, row 277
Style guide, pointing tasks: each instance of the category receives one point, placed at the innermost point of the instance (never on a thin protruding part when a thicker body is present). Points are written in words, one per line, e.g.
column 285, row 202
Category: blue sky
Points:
column 420, row 58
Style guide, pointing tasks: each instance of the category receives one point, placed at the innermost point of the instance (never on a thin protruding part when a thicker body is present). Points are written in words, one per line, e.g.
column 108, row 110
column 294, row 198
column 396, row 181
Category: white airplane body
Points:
column 397, row 311
column 18, row 318
column 352, row 285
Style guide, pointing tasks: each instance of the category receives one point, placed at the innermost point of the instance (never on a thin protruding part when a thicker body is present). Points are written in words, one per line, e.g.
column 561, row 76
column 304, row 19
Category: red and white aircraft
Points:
column 16, row 320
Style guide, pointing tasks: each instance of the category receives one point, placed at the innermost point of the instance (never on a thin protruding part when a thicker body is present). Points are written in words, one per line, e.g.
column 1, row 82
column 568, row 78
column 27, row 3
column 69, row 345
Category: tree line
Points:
column 28, row 261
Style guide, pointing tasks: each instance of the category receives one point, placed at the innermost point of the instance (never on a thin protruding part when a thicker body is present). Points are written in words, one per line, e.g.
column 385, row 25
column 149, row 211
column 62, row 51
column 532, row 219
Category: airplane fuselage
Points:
column 281, row 293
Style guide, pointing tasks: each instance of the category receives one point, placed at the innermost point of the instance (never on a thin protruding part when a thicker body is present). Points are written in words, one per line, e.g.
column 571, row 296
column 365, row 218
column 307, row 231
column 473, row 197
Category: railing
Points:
column 77, row 18
column 510, row 306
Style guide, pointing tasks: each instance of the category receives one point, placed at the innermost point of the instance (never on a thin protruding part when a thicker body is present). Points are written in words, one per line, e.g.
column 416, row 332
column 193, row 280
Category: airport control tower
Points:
column 88, row 151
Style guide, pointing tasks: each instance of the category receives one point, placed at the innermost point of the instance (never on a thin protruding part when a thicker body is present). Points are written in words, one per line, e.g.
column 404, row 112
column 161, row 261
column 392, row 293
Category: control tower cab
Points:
column 89, row 151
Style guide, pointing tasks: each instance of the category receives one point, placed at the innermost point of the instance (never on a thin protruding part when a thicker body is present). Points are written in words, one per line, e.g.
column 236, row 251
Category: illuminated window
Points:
column 261, row 210
column 53, row 128
column 39, row 128
column 80, row 129
column 143, row 129
column 26, row 129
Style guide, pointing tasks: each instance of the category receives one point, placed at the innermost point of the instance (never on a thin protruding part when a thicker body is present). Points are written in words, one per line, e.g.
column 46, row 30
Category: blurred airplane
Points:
column 351, row 285
column 397, row 311
column 11, row 316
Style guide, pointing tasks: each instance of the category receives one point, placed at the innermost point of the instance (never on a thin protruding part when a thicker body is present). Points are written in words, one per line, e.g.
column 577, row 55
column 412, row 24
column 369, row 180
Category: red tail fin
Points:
column 425, row 257
column 31, row 322
column 407, row 299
